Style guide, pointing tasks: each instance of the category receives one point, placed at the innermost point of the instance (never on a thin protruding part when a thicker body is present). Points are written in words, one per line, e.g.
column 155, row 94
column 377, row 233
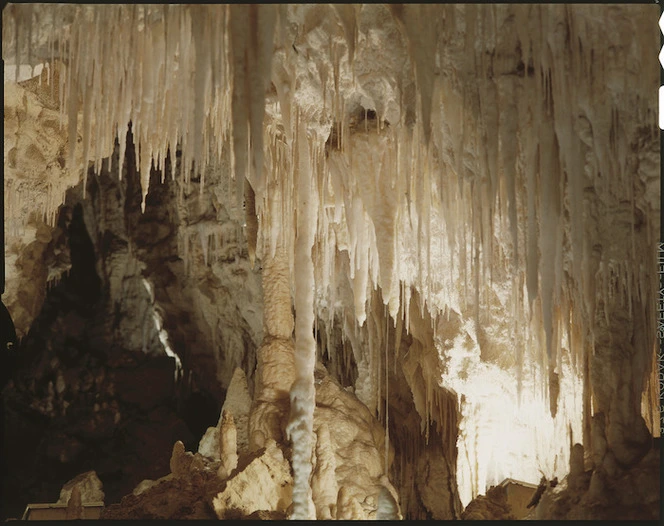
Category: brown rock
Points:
column 181, row 460
column 88, row 486
column 492, row 506
column 75, row 506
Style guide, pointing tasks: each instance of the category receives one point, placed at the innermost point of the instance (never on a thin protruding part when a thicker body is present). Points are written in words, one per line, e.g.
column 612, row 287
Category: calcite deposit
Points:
column 333, row 261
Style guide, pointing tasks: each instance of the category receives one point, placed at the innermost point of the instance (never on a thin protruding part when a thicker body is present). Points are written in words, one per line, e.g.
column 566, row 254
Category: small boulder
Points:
column 89, row 485
column 180, row 460
column 265, row 484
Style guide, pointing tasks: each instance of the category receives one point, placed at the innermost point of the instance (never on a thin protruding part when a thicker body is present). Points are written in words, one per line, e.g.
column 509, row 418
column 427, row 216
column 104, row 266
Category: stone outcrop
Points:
column 89, row 486
column 184, row 494
column 492, row 506
column 631, row 494
column 227, row 445
column 36, row 179
column 237, row 403
column 260, row 487
column 265, row 484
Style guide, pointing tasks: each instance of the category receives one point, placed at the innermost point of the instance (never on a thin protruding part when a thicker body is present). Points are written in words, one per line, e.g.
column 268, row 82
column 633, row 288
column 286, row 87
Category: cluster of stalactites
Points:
column 539, row 158
column 498, row 173
column 168, row 70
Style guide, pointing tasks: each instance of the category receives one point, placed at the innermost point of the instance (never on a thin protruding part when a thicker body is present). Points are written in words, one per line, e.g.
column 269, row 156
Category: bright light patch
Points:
column 500, row 437
column 163, row 335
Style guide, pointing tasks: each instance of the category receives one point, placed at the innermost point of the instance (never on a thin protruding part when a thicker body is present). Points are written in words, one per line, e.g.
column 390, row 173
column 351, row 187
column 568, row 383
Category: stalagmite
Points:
column 227, row 445
column 268, row 474
column 348, row 508
column 324, row 483
column 388, row 508
column 181, row 460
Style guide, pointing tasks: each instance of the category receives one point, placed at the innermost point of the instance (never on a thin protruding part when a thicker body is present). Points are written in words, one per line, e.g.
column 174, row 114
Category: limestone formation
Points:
column 265, row 484
column 181, row 460
column 74, row 504
column 89, row 486
column 237, row 403
column 143, row 486
column 275, row 357
column 227, row 445
column 537, row 495
column 387, row 506
column 425, row 234
column 348, row 507
column 324, row 482
column 493, row 506
column 576, row 478
column 358, row 443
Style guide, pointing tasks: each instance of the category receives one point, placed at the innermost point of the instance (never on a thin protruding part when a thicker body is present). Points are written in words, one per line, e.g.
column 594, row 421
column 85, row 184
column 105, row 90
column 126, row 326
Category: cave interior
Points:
column 331, row 261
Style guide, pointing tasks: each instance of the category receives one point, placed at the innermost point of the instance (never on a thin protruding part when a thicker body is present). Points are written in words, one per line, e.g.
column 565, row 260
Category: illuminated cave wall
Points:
column 475, row 185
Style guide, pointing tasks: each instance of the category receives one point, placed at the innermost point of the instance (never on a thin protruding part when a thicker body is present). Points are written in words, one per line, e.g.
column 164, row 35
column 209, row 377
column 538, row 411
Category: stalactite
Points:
column 252, row 30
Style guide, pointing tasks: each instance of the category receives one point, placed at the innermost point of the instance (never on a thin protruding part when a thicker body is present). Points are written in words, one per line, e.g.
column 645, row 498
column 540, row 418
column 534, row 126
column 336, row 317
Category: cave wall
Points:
column 93, row 382
column 78, row 400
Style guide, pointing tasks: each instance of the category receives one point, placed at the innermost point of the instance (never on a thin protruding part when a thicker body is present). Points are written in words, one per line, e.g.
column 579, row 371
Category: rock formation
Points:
column 74, row 505
column 409, row 248
column 237, row 403
column 89, row 487
column 227, row 445
column 264, row 485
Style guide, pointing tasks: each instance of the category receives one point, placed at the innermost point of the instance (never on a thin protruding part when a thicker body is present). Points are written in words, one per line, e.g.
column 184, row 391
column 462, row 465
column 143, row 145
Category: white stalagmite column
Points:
column 227, row 445
column 303, row 393
column 324, row 482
